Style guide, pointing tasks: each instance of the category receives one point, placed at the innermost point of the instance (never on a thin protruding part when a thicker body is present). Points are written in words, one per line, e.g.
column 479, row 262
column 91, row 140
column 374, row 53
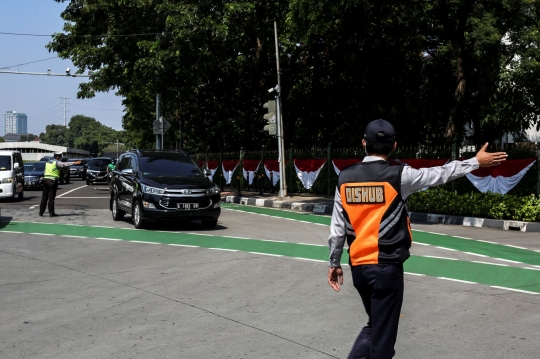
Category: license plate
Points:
column 186, row 206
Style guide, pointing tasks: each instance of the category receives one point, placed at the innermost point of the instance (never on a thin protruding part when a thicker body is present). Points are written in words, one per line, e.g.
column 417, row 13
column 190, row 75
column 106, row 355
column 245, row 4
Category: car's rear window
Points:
column 34, row 166
column 5, row 163
column 166, row 165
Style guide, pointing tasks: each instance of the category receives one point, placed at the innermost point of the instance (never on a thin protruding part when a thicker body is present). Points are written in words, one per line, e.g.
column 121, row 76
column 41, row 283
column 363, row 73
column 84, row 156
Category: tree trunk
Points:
column 455, row 119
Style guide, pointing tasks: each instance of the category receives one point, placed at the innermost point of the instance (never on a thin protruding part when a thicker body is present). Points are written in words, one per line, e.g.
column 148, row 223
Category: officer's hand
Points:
column 335, row 274
column 78, row 162
column 487, row 159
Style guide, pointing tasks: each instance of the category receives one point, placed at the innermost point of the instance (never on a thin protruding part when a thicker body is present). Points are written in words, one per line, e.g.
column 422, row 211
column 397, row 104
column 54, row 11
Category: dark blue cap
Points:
column 380, row 131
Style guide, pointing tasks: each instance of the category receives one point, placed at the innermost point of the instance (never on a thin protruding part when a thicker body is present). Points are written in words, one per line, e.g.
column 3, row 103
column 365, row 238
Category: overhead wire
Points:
column 26, row 63
column 50, row 35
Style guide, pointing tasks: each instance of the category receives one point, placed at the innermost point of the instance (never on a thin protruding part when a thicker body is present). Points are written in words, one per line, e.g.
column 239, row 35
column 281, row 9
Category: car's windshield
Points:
column 169, row 165
column 99, row 163
column 35, row 166
column 5, row 163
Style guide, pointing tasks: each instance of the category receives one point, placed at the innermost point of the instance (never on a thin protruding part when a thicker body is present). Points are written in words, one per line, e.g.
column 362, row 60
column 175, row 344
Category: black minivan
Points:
column 163, row 185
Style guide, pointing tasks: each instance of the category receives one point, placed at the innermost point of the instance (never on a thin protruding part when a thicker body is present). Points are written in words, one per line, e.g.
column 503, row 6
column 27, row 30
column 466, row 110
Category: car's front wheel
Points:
column 138, row 221
column 117, row 213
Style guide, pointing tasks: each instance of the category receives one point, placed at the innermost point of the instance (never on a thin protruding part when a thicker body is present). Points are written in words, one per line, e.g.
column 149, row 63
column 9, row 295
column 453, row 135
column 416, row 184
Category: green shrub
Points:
column 485, row 205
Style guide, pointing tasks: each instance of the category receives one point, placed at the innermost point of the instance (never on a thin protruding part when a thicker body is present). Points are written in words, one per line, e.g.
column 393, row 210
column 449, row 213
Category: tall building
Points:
column 15, row 122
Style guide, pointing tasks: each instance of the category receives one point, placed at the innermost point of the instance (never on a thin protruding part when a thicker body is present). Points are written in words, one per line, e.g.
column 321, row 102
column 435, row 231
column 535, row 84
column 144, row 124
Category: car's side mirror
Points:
column 15, row 166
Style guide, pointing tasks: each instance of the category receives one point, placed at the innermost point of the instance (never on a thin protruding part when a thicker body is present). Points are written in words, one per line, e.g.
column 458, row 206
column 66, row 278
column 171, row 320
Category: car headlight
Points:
column 213, row 190
column 152, row 190
column 7, row 180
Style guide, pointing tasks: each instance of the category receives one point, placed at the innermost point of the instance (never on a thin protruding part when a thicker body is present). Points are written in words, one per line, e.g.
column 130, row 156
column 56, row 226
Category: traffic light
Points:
column 271, row 127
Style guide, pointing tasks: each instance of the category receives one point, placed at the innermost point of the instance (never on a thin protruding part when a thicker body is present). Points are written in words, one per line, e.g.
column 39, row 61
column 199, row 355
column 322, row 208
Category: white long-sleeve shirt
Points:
column 411, row 180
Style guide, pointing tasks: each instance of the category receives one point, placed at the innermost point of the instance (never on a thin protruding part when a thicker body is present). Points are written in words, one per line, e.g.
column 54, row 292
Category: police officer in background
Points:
column 50, row 182
column 370, row 213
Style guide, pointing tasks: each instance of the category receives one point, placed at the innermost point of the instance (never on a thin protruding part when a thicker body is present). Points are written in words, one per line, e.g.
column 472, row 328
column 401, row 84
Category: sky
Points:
column 40, row 97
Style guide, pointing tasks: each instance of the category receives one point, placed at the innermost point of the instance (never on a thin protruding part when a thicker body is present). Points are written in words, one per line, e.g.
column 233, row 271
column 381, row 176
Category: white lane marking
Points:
column 266, row 254
column 448, row 249
column 481, row 240
column 81, row 197
column 310, row 260
column 531, row 268
column 145, row 242
column 315, row 245
column 493, row 264
column 68, row 235
column 451, row 259
column 534, row 265
column 184, row 245
column 536, row 250
column 461, row 237
column 440, row 234
column 34, row 206
column 109, row 239
column 422, row 244
column 416, row 274
column 63, row 194
column 457, row 280
column 507, row 260
column 275, row 216
column 42, row 234
column 475, row 254
column 2, row 231
column 105, row 227
column 509, row 245
column 513, row 290
column 224, row 249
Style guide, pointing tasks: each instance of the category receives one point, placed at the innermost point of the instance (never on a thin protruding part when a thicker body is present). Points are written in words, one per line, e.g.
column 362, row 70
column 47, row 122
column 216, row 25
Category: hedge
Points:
column 485, row 205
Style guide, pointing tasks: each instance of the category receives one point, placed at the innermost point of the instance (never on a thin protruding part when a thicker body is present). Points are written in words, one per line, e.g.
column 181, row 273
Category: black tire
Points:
column 209, row 223
column 117, row 213
column 137, row 216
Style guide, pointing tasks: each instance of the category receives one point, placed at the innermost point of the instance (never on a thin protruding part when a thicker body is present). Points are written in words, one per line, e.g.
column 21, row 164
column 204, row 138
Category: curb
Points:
column 416, row 217
column 320, row 208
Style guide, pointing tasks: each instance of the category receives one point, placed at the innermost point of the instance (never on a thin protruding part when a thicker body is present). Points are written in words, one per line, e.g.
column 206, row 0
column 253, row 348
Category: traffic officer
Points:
column 50, row 182
column 370, row 214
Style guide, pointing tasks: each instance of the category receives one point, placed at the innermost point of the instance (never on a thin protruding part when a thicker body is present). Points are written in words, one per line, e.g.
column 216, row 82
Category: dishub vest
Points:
column 373, row 205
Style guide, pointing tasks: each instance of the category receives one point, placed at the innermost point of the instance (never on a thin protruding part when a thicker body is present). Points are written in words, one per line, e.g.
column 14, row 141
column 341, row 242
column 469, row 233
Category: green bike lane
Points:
column 513, row 278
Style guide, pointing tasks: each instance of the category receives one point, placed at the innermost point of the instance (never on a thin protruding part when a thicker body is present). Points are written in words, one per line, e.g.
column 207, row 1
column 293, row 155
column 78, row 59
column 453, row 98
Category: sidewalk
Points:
column 322, row 204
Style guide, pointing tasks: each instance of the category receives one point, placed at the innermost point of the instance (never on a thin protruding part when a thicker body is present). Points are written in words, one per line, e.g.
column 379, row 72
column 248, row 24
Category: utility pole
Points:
column 281, row 146
column 158, row 114
column 65, row 98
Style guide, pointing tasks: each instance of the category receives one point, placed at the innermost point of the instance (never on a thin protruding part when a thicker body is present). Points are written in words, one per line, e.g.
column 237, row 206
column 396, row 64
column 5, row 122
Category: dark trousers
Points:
column 49, row 194
column 381, row 289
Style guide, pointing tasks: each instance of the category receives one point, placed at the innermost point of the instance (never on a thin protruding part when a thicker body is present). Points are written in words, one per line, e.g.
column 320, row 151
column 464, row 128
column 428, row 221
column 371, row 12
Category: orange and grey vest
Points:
column 373, row 205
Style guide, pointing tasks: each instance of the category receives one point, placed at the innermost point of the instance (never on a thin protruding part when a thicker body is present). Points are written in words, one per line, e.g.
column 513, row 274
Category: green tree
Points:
column 28, row 137
column 429, row 66
column 55, row 135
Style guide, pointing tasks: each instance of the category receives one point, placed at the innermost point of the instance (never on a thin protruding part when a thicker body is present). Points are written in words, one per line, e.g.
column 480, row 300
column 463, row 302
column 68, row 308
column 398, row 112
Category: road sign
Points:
column 161, row 124
column 166, row 124
column 157, row 127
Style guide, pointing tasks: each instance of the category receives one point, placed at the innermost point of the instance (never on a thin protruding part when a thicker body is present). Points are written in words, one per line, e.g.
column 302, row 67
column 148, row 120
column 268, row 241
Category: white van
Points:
column 11, row 174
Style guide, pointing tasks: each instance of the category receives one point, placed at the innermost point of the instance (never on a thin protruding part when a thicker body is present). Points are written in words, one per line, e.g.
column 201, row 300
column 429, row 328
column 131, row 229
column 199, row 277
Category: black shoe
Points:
column 53, row 215
column 41, row 214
